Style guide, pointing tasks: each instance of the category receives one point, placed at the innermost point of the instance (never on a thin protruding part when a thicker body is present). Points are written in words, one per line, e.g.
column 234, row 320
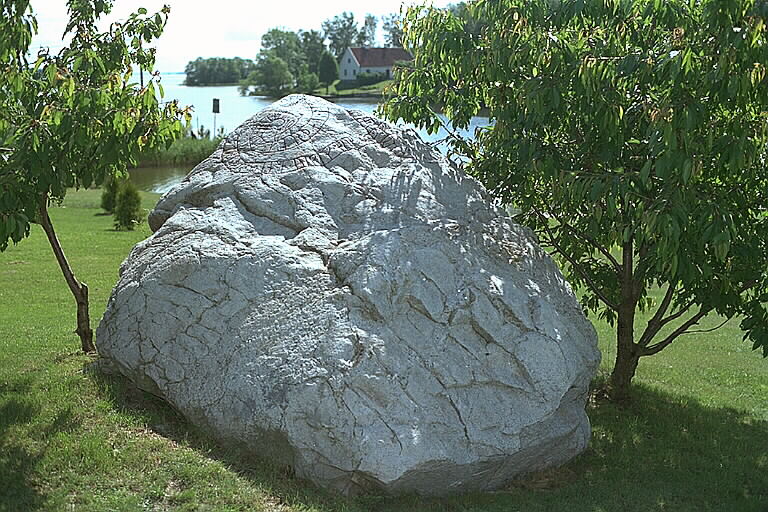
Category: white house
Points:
column 370, row 60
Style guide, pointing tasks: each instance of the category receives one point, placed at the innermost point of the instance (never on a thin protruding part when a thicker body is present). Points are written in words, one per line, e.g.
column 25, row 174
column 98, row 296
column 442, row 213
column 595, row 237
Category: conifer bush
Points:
column 109, row 195
column 127, row 207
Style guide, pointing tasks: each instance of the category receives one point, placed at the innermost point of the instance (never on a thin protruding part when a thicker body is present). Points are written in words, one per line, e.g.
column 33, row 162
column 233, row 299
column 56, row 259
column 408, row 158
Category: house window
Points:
column 349, row 61
column 345, row 72
column 354, row 71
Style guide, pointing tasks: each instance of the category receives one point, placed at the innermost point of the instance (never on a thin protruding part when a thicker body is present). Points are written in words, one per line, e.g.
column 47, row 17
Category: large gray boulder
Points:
column 328, row 291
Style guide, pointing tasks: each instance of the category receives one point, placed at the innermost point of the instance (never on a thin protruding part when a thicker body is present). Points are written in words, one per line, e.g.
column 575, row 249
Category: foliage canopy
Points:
column 312, row 45
column 74, row 119
column 285, row 63
column 273, row 76
column 367, row 34
column 393, row 31
column 631, row 135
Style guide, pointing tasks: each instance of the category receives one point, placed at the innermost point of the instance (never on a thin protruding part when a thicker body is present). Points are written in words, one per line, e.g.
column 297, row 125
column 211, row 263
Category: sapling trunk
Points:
column 627, row 351
column 623, row 370
column 79, row 290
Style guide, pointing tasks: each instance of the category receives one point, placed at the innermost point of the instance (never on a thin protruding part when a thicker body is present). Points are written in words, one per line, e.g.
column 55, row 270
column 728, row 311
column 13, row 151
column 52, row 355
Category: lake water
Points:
column 234, row 110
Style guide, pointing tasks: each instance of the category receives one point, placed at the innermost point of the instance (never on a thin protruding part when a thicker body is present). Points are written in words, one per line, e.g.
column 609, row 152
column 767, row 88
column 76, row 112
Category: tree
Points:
column 273, row 76
column 328, row 70
column 632, row 138
column 471, row 24
column 312, row 46
column 341, row 32
column 393, row 31
column 73, row 119
column 287, row 46
column 127, row 206
column 367, row 35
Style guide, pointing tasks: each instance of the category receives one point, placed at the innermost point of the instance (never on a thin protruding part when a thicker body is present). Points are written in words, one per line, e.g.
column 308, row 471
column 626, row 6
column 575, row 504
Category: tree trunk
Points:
column 79, row 290
column 627, row 357
column 627, row 351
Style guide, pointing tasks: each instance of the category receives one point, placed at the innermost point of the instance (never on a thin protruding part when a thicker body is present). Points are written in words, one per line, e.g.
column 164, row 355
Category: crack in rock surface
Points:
column 329, row 291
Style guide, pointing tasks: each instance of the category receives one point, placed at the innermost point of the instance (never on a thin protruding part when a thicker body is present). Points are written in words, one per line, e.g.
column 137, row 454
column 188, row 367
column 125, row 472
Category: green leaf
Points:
column 645, row 173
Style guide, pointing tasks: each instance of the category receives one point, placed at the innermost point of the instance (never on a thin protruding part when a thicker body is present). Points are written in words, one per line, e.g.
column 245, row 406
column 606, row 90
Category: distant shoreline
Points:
column 212, row 85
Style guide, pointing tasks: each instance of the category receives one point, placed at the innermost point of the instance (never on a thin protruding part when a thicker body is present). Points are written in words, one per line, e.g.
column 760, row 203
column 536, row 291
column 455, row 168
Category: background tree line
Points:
column 294, row 61
column 302, row 61
column 217, row 70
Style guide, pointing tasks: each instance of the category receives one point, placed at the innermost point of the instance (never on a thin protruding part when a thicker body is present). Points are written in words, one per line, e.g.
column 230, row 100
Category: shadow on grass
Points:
column 18, row 459
column 659, row 452
column 163, row 419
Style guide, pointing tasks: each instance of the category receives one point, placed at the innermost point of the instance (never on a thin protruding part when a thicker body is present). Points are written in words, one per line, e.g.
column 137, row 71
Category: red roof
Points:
column 379, row 57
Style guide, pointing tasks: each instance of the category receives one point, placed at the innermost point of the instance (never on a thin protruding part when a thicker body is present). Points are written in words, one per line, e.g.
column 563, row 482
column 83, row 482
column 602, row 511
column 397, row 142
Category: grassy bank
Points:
column 338, row 90
column 693, row 440
column 184, row 151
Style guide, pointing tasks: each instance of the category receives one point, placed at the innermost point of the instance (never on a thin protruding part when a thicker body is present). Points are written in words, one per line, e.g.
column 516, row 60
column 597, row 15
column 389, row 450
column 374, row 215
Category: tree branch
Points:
column 677, row 315
column 654, row 324
column 746, row 286
column 683, row 329
column 710, row 330
column 605, row 252
column 577, row 267
column 658, row 347
column 61, row 259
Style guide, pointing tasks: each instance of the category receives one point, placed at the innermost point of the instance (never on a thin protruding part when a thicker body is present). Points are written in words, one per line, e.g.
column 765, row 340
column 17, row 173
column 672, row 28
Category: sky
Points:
column 223, row 28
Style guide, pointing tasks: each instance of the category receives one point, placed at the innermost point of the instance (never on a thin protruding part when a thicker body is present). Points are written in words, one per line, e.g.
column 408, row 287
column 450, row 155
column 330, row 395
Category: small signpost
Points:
column 216, row 110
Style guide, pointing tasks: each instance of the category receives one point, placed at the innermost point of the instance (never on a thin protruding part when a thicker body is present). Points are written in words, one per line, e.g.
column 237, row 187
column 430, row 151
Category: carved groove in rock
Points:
column 327, row 290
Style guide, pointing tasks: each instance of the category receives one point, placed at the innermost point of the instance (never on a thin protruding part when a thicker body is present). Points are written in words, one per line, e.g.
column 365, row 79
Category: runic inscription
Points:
column 288, row 138
column 377, row 130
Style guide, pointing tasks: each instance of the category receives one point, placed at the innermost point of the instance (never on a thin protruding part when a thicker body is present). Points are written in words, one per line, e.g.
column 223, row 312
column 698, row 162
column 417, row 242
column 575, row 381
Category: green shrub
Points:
column 345, row 85
column 370, row 78
column 109, row 195
column 128, row 207
column 307, row 83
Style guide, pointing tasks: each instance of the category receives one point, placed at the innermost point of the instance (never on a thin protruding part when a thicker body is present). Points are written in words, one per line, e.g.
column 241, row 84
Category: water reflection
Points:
column 158, row 179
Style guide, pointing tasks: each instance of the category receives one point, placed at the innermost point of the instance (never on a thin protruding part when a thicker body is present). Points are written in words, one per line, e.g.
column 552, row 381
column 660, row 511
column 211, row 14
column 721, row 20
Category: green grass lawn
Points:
column 694, row 439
